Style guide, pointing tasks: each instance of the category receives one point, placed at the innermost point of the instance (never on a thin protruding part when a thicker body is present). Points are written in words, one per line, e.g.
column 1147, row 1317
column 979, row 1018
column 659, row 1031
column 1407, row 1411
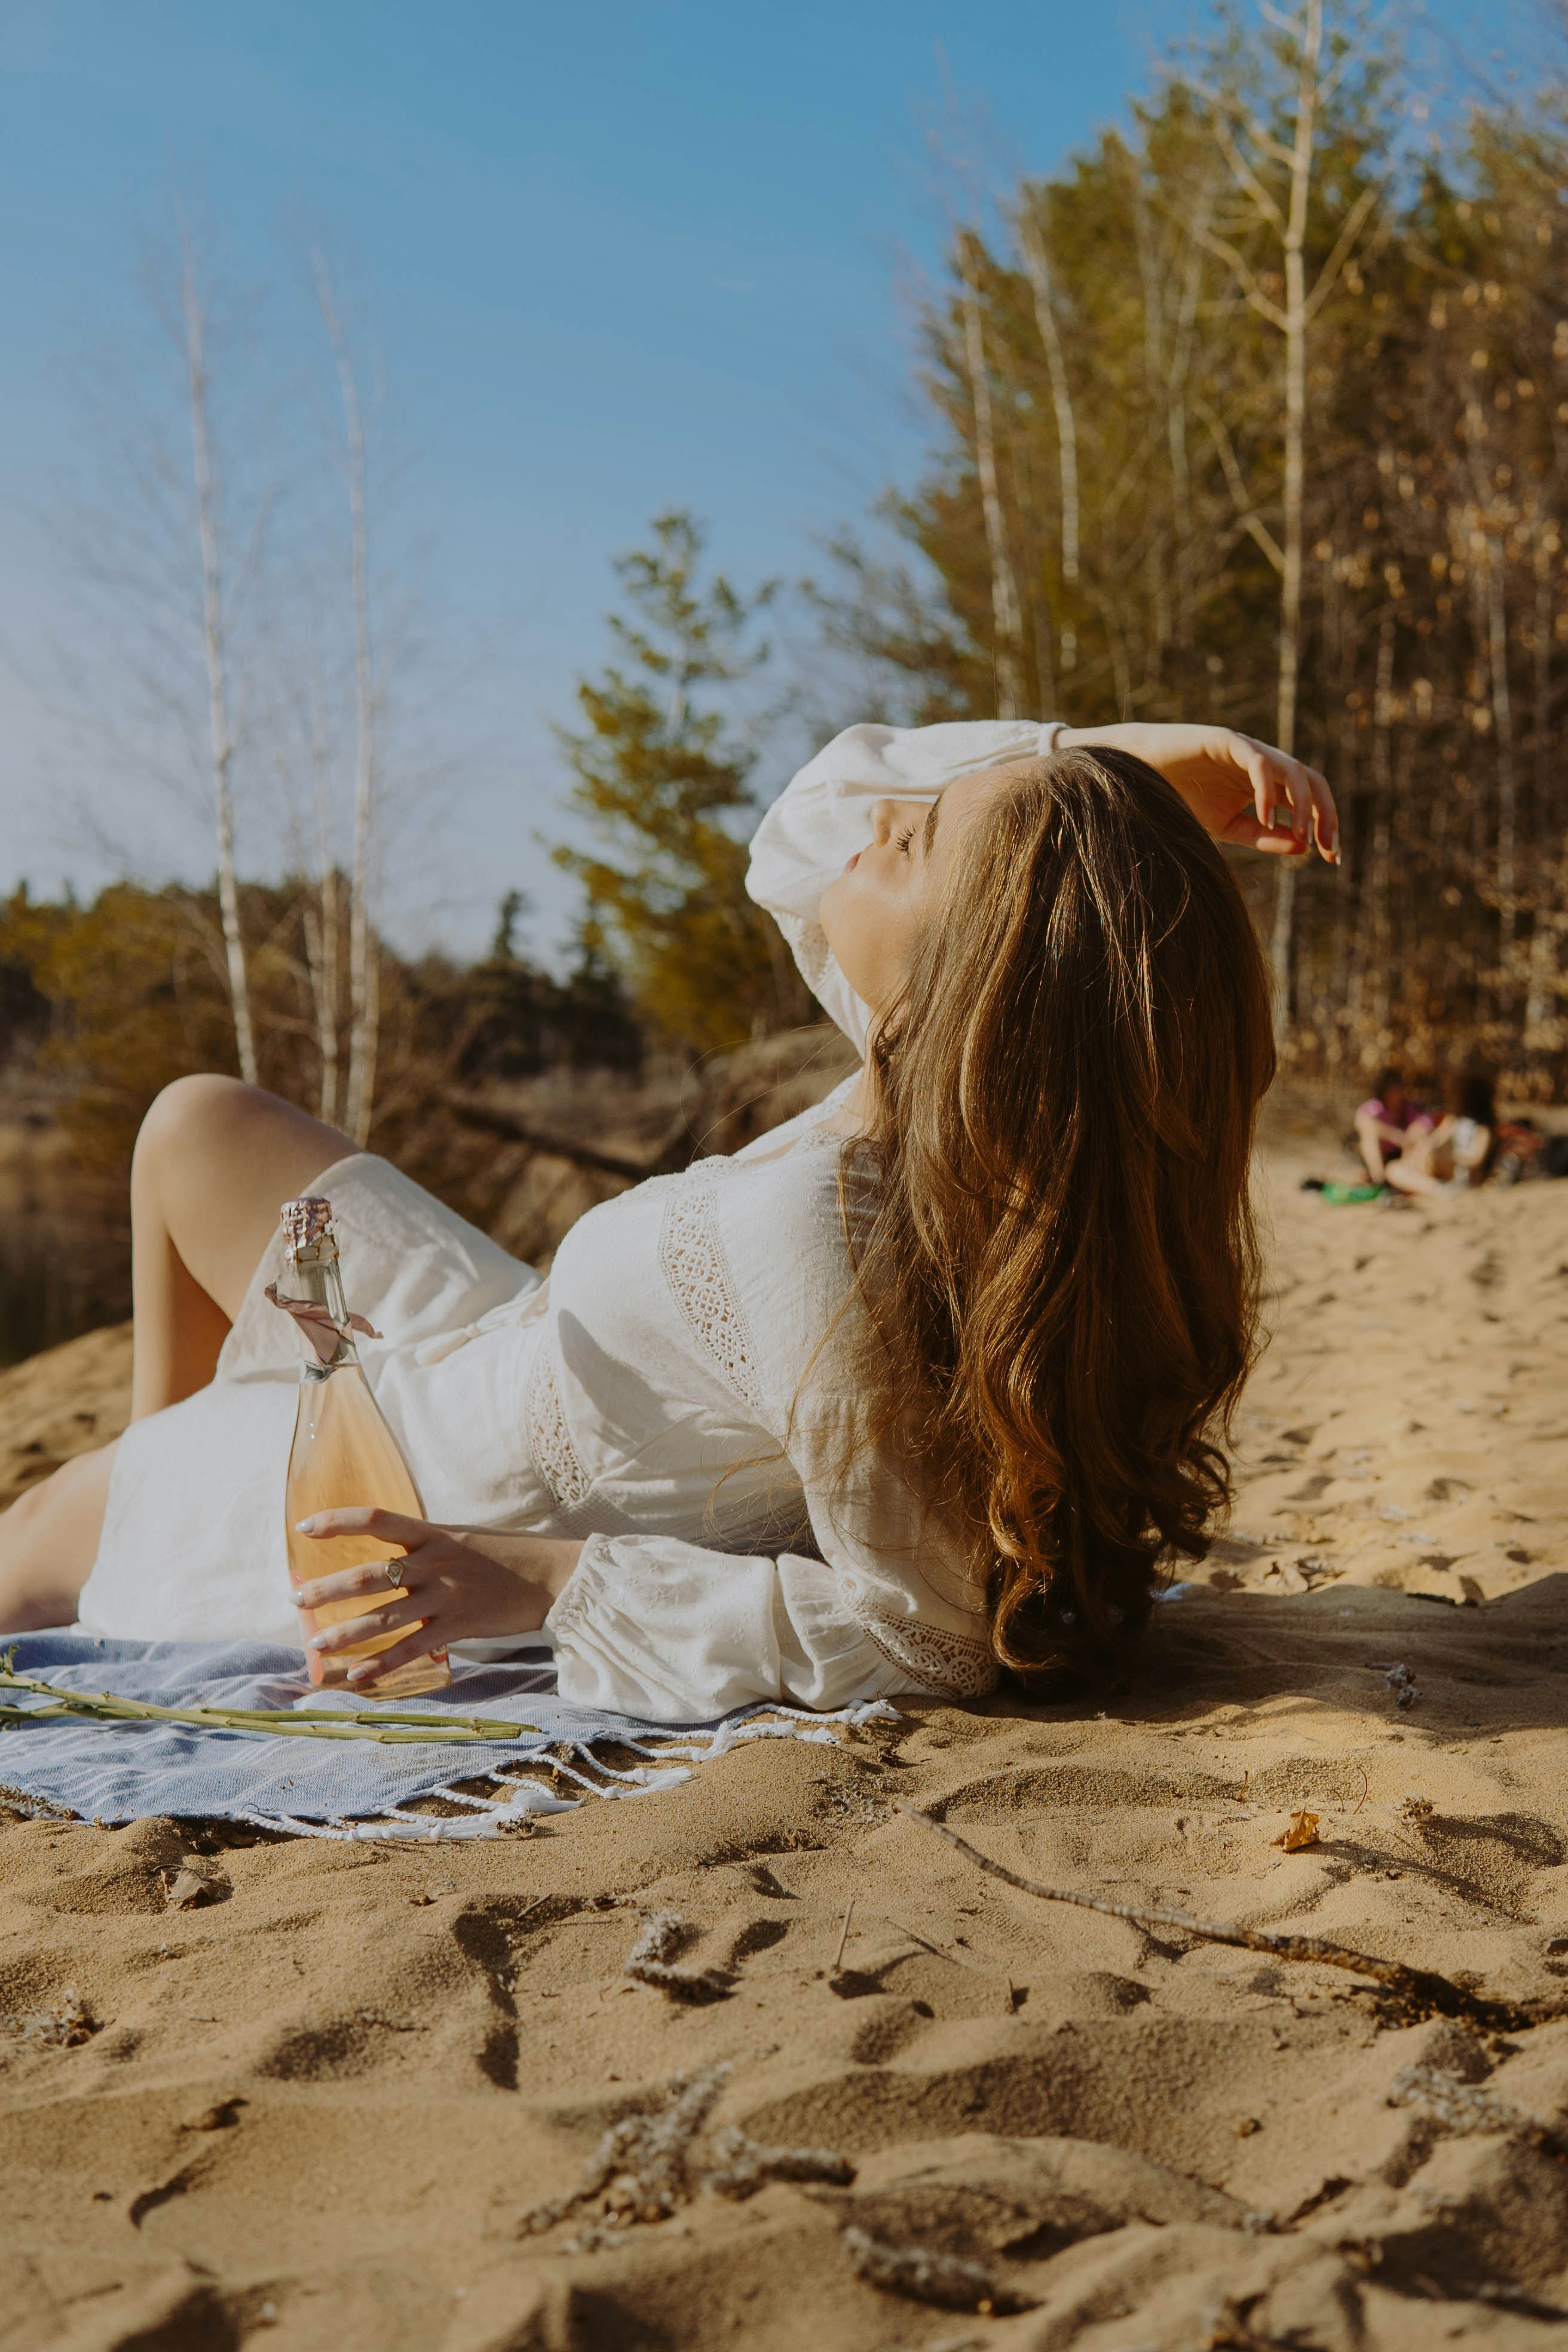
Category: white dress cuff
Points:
column 650, row 1626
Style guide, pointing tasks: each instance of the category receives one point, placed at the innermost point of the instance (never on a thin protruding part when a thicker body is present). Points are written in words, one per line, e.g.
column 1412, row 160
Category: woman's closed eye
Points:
column 902, row 840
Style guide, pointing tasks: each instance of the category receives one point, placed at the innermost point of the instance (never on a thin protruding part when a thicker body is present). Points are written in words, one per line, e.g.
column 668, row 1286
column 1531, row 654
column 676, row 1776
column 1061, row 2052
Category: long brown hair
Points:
column 1055, row 1253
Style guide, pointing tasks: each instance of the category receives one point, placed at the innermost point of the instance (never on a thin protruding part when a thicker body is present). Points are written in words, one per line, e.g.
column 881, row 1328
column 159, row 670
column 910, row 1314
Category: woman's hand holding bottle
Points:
column 451, row 1584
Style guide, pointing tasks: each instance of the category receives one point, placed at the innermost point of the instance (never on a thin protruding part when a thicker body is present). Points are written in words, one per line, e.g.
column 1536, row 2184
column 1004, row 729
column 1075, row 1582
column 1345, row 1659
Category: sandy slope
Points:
column 319, row 2112
column 61, row 1403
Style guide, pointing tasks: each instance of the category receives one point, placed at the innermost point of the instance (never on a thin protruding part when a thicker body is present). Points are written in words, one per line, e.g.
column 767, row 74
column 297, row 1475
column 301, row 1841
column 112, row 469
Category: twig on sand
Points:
column 650, row 1961
column 844, row 1939
column 640, row 2166
column 938, row 1951
column 742, row 2166
column 1420, row 1991
column 1465, row 2107
column 925, row 2276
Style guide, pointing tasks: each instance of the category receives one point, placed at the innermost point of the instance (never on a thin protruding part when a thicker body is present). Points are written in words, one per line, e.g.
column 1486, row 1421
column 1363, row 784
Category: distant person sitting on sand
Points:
column 1388, row 1123
column 1457, row 1152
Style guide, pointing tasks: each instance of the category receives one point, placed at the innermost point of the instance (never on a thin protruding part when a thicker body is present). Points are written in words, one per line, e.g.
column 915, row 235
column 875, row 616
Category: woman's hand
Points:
column 461, row 1584
column 1241, row 790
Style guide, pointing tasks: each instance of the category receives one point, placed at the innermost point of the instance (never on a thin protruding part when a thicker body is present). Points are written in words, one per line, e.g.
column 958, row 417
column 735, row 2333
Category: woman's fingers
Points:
column 366, row 1672
column 372, row 1576
column 366, row 1520
column 1287, row 787
column 355, row 1632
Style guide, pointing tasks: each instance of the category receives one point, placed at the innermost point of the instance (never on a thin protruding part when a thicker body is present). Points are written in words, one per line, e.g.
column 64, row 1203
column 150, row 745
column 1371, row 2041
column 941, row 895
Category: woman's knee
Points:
column 195, row 1112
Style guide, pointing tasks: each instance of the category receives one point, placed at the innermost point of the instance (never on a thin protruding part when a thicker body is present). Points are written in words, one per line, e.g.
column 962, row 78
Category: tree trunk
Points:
column 1382, row 836
column 1176, row 444
column 1006, row 617
column 322, row 923
column 219, row 717
column 328, row 997
column 364, row 976
column 1540, row 1011
column 1038, row 268
column 1507, row 778
column 1282, row 944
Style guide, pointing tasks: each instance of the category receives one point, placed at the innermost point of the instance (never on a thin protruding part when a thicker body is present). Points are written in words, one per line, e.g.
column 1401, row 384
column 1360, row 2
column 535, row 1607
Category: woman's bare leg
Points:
column 213, row 1161
column 48, row 1541
column 1409, row 1177
column 1368, row 1137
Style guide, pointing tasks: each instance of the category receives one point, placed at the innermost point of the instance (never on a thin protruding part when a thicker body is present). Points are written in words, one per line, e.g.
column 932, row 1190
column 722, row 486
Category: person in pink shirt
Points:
column 1388, row 1122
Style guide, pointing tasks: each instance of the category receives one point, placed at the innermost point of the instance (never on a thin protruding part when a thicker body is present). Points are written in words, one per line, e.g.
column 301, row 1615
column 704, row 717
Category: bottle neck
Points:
column 321, row 1282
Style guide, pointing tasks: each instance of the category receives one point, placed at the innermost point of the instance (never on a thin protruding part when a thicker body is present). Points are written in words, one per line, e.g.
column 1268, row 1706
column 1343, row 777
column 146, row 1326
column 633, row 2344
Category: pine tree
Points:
column 662, row 778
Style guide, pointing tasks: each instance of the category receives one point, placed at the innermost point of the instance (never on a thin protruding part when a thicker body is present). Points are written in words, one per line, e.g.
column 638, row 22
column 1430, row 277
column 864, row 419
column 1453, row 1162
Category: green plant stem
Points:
column 318, row 1723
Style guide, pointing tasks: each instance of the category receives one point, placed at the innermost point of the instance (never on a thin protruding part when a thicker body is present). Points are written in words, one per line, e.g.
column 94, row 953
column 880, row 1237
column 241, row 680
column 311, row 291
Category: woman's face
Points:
column 874, row 913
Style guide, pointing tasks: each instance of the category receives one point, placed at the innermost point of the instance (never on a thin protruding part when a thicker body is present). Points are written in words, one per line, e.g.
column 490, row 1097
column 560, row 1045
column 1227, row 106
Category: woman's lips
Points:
column 851, row 862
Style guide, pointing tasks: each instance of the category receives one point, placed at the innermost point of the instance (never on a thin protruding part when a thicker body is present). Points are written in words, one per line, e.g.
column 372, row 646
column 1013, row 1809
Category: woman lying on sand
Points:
column 922, row 1385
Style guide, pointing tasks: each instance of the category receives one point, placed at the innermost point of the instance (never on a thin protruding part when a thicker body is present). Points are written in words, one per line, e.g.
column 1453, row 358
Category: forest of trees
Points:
column 1255, row 413
column 1259, row 414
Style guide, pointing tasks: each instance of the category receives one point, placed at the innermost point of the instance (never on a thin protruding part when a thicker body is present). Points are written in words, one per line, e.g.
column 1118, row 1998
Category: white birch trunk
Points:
column 321, row 922
column 1540, row 1010
column 215, row 645
column 1281, row 946
column 1502, row 734
column 1005, row 611
column 364, row 976
column 1287, row 221
column 1382, row 837
column 1038, row 268
column 1176, row 444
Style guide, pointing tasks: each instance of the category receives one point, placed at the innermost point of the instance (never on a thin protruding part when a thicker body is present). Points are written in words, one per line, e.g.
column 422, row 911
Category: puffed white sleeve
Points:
column 649, row 1625
column 824, row 815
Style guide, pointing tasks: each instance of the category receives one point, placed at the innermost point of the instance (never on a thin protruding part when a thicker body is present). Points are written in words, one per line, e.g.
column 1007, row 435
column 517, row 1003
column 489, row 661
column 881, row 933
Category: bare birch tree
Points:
column 364, row 975
column 163, row 526
column 1032, row 245
column 214, row 639
column 1006, row 611
column 322, row 921
column 1278, row 216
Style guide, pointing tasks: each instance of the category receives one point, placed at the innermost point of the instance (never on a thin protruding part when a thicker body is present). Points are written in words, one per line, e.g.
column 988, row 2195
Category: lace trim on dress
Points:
column 946, row 1662
column 549, row 1439
column 692, row 1258
column 807, row 942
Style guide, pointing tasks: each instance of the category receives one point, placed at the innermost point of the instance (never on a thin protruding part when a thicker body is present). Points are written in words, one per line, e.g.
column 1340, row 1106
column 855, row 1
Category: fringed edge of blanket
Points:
column 513, row 1804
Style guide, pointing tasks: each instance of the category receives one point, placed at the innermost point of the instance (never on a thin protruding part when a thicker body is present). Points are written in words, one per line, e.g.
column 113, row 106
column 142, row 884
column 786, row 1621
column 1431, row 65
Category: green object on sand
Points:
column 1344, row 1195
column 303, row 1722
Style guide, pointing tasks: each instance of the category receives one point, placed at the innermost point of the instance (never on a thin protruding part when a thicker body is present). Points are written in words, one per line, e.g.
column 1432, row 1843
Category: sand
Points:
column 320, row 2110
column 61, row 1403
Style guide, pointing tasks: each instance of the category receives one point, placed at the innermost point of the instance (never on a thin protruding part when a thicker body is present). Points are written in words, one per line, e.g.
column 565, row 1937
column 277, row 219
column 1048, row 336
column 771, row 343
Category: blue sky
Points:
column 609, row 256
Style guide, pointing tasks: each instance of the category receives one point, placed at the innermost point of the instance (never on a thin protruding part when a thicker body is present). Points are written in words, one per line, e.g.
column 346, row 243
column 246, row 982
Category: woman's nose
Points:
column 884, row 816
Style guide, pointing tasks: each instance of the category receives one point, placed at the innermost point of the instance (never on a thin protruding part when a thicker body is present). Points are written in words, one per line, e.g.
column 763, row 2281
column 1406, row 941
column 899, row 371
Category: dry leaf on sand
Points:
column 1303, row 1831
column 196, row 1881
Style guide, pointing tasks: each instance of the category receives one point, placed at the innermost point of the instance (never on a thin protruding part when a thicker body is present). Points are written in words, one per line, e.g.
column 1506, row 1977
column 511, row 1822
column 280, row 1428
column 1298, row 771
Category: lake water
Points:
column 65, row 1254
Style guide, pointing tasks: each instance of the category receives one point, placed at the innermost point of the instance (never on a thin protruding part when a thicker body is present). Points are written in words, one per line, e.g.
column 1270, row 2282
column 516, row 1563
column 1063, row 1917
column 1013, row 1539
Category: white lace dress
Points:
column 665, row 1395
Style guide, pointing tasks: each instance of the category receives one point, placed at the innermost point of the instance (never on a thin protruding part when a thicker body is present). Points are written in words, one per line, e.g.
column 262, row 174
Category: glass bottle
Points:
column 343, row 1453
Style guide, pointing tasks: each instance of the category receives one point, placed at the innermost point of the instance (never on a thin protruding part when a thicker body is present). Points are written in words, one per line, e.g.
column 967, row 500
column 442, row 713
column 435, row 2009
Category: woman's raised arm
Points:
column 1242, row 791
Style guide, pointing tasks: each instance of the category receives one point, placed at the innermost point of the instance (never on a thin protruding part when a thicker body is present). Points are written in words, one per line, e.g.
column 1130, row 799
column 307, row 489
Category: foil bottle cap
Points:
column 307, row 1223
